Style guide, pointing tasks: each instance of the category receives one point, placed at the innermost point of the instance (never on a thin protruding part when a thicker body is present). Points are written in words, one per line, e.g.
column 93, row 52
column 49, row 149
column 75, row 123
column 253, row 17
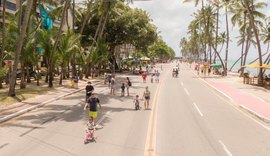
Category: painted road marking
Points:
column 150, row 145
column 225, row 148
column 197, row 109
column 186, row 91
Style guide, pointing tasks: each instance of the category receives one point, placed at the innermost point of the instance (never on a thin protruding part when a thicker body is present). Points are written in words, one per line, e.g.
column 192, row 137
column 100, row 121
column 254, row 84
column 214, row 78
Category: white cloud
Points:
column 171, row 17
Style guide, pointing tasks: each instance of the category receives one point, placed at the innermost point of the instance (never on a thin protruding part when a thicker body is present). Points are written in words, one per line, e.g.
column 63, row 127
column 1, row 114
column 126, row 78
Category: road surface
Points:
column 187, row 117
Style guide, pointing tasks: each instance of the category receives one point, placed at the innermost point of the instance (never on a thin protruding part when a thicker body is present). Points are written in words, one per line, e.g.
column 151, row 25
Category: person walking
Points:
column 123, row 89
column 144, row 75
column 76, row 81
column 91, row 104
column 109, row 79
column 146, row 96
column 157, row 76
column 128, row 84
column 88, row 90
column 112, row 85
column 137, row 102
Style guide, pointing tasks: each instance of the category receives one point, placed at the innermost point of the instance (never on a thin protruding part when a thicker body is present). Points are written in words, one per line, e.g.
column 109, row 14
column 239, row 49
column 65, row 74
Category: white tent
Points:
column 145, row 58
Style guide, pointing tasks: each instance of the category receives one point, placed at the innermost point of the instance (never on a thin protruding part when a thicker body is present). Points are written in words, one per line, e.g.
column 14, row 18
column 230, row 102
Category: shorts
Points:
column 147, row 97
column 93, row 114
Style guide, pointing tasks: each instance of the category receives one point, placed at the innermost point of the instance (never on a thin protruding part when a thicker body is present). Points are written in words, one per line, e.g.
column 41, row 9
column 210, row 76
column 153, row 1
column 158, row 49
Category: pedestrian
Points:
column 91, row 104
column 152, row 77
column 72, row 82
column 123, row 89
column 109, row 79
column 128, row 84
column 105, row 78
column 76, row 81
column 89, row 89
column 112, row 85
column 146, row 96
column 137, row 102
column 144, row 75
column 157, row 76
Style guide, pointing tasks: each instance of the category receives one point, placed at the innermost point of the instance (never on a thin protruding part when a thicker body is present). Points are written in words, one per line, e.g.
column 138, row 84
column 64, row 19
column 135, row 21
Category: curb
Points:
column 8, row 117
column 265, row 119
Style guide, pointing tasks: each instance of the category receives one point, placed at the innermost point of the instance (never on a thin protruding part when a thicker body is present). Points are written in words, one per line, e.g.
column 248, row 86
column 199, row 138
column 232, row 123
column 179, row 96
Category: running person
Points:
column 91, row 104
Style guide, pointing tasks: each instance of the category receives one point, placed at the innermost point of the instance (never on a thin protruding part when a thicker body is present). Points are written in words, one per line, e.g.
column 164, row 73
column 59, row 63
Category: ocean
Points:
column 237, row 66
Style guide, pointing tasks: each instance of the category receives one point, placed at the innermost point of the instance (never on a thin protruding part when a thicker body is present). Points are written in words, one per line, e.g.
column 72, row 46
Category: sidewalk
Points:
column 252, row 98
column 17, row 109
column 56, row 93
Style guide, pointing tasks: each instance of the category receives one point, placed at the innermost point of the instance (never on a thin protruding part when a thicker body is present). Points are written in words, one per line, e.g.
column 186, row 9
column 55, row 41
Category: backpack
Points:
column 129, row 83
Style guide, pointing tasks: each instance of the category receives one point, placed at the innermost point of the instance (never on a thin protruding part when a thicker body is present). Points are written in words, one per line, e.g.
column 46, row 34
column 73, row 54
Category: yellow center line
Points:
column 150, row 145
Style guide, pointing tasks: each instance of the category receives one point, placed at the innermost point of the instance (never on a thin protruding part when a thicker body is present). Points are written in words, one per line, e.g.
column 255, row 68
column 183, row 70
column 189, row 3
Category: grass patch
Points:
column 21, row 95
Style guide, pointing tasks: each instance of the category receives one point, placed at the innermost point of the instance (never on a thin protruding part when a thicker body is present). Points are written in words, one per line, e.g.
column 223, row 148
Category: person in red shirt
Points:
column 144, row 77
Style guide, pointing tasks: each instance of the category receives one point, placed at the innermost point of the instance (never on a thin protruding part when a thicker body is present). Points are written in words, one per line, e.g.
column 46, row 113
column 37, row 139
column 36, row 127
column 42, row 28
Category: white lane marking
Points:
column 225, row 148
column 235, row 106
column 197, row 108
column 182, row 84
column 186, row 91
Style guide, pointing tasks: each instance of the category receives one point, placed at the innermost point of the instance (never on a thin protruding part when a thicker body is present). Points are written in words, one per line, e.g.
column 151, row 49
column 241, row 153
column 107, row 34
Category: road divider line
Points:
column 186, row 91
column 150, row 144
column 225, row 148
column 197, row 109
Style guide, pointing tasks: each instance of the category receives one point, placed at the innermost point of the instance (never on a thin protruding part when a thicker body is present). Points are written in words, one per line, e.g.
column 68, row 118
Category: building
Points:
column 11, row 7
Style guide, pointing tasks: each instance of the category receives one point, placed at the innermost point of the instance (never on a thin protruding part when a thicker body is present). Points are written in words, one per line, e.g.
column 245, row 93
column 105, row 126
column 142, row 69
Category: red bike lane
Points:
column 245, row 100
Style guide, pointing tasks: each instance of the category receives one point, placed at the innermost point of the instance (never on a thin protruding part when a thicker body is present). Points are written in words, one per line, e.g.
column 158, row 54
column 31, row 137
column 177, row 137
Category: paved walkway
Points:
column 252, row 98
column 19, row 108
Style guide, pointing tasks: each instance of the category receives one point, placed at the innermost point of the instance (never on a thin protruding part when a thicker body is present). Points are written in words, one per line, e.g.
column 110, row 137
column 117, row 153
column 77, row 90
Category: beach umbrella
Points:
column 216, row 65
column 266, row 66
column 254, row 65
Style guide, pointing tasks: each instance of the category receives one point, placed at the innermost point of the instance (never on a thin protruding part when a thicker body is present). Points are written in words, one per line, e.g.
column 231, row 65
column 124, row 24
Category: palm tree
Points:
column 19, row 47
column 50, row 69
column 68, row 45
column 250, row 9
column 3, row 38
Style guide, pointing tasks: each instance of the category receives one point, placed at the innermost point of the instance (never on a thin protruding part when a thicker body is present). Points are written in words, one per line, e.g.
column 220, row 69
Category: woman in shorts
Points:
column 146, row 96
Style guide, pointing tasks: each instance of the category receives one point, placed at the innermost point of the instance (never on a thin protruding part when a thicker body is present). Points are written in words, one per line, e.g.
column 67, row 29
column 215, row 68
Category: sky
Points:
column 172, row 18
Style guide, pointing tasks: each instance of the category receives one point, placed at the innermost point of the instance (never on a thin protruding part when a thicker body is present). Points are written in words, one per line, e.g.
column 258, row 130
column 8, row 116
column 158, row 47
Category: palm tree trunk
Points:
column 50, row 70
column 227, row 42
column 244, row 36
column 28, row 74
column 216, row 32
column 86, row 18
column 28, row 9
column 38, row 74
column 3, row 38
column 22, row 85
column 255, row 30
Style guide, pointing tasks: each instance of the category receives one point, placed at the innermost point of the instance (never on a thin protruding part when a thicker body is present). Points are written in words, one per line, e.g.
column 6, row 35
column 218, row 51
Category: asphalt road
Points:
column 187, row 118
